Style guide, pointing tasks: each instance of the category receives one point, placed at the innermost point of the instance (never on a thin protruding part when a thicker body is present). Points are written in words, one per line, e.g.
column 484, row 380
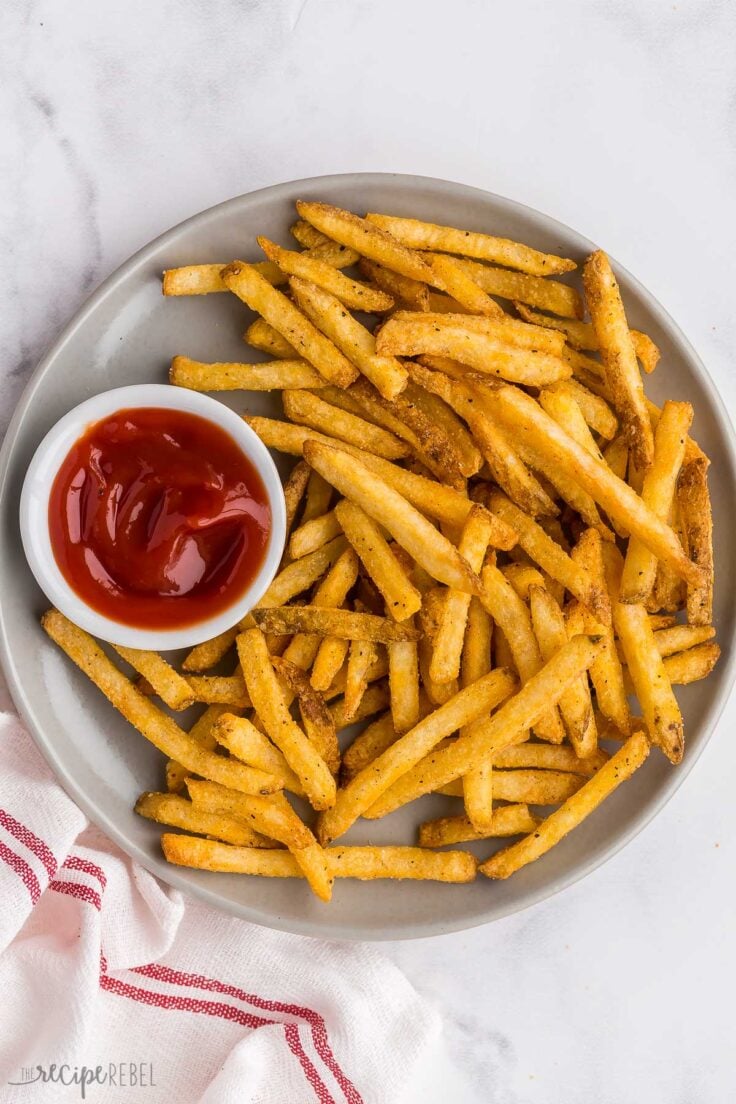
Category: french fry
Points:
column 522, row 288
column 576, row 708
column 281, row 313
column 276, row 819
column 505, row 331
column 361, row 655
column 353, row 294
column 693, row 501
column 563, row 407
column 653, row 688
column 556, row 826
column 202, row 733
column 304, row 408
column 506, row 820
column 522, row 577
column 343, row 624
column 375, row 700
column 658, row 491
column 204, row 279
column 535, row 787
column 177, row 812
column 692, row 665
column 331, row 655
column 446, row 239
column 620, row 502
column 429, row 622
column 313, row 534
column 247, row 743
column 366, row 238
column 365, row 863
column 231, row 376
column 403, row 681
column 595, row 410
column 262, row 336
column 156, row 726
column 367, row 746
column 408, row 527
column 452, row 278
column 319, row 497
column 219, row 690
column 268, row 700
column 678, row 638
column 406, row 292
column 581, row 335
column 621, row 371
column 549, row 757
column 509, row 725
column 316, row 717
column 616, row 456
column 171, row 687
column 440, row 412
column 354, row 340
column 294, row 490
column 419, row 333
column 364, row 534
column 363, row 790
column 332, row 592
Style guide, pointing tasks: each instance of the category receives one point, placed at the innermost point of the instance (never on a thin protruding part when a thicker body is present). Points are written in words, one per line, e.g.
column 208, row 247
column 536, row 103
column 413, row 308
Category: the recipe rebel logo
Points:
column 122, row 1075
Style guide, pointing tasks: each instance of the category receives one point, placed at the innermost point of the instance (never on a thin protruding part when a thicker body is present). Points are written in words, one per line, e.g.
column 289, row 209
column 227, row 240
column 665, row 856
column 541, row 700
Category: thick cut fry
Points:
column 678, row 638
column 357, row 343
column 401, row 597
column 366, row 238
column 551, row 558
column 576, row 707
column 403, row 681
column 653, row 688
column 274, row 818
column 177, row 812
column 452, row 278
column 313, row 534
column 262, row 336
column 507, row 820
column 364, row 863
column 692, row 665
column 304, row 408
column 171, row 687
column 353, row 294
column 219, row 689
column 367, row 746
column 408, row 527
column 556, row 826
column 343, row 624
column 508, row 726
column 448, row 642
column 620, row 502
column 228, row 376
column 156, row 726
column 479, row 789
column 412, row 334
column 367, row 787
column 535, row 787
column 202, row 733
column 316, row 717
column 523, row 288
column 693, row 501
column 549, row 757
column 469, row 243
column 406, row 292
column 658, row 491
column 513, row 619
column 268, row 700
column 281, row 313
column 247, row 743
column 621, row 371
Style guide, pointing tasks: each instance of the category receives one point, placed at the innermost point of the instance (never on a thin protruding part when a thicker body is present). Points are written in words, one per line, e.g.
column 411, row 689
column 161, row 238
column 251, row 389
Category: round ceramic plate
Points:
column 127, row 333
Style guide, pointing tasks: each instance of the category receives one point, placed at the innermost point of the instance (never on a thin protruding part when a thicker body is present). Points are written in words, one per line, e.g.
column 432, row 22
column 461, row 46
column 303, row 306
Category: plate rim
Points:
column 323, row 928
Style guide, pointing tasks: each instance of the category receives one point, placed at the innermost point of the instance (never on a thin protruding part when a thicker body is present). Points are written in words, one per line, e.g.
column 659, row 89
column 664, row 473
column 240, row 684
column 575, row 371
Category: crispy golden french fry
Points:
column 446, row 239
column 596, row 411
column 523, row 288
column 361, row 656
column 370, row 241
column 304, row 408
column 434, row 499
column 247, row 743
column 411, row 334
column 340, row 623
column 316, row 717
column 549, row 757
column 581, row 335
column 268, row 700
column 429, row 621
column 616, row 456
column 202, row 733
column 576, row 707
column 563, row 407
column 506, row 820
column 219, row 689
column 678, row 638
column 522, row 577
column 693, row 501
column 313, row 534
column 476, row 654
column 228, row 376
column 452, row 278
column 506, row 331
column 403, row 681
column 556, row 826
column 509, row 725
column 156, row 726
column 367, row 746
column 262, row 336
column 406, row 292
column 281, row 313
column 171, row 687
column 364, row 863
column 408, row 527
column 353, row 294
column 375, row 700
column 448, row 642
column 435, row 408
column 658, row 491
column 619, row 501
column 369, row 784
column 332, row 591
column 551, row 558
column 535, row 787
column 354, row 340
column 274, row 818
column 294, row 490
column 331, row 655
column 478, row 793
column 694, row 664
column 177, row 812
column 307, row 236
column 652, row 686
column 319, row 497
column 205, row 278
column 512, row 616
column 621, row 371
column 322, row 247
column 364, row 534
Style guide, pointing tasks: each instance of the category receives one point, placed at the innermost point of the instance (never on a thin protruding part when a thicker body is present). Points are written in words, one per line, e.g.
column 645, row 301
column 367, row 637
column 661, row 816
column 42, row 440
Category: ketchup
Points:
column 157, row 519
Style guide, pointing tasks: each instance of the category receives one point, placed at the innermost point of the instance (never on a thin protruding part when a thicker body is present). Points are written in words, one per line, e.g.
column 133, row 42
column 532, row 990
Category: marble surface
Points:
column 616, row 117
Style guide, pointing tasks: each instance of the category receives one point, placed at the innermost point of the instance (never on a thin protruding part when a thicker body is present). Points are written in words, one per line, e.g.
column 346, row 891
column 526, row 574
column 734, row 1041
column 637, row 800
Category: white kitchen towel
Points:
column 115, row 988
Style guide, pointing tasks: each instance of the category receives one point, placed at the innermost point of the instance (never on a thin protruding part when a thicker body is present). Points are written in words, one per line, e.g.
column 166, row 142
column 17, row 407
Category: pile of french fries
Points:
column 495, row 543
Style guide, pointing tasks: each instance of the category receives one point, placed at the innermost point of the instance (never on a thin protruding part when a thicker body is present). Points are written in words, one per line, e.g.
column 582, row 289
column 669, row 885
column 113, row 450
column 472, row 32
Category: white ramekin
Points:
column 34, row 509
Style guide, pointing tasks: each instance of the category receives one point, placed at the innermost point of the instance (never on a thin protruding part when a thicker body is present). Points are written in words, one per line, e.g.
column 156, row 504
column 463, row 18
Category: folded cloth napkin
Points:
column 103, row 966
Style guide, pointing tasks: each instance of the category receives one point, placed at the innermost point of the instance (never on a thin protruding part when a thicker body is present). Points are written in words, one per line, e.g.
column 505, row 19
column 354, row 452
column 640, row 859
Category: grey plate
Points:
column 127, row 333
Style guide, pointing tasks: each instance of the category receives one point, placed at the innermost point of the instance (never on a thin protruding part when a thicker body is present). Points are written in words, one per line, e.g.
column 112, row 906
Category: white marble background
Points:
column 618, row 117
